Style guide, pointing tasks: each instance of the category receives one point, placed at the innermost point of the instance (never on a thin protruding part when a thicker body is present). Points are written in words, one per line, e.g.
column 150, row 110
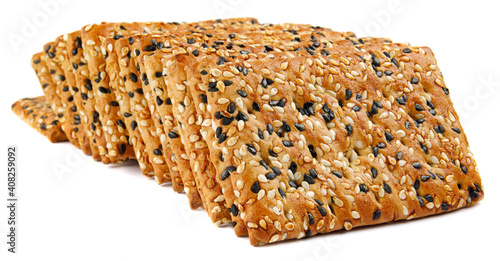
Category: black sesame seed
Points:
column 242, row 93
column 313, row 173
column 406, row 50
column 356, row 108
column 419, row 107
column 399, row 155
column 414, row 80
column 231, row 107
column 282, row 102
column 287, row 143
column 395, row 62
column 271, row 175
column 157, row 152
column 311, row 150
column 133, row 125
column 375, row 61
column 282, row 193
column 348, row 94
column 446, row 90
column 121, row 124
column 234, row 210
column 251, row 149
column 260, row 134
column 286, row 127
column 388, row 137
column 227, row 121
column 133, row 77
column 104, row 90
column 293, row 167
column 299, row 127
column 266, row 82
column 225, row 174
column 264, row 164
column 463, row 168
column 139, row 91
column 269, row 128
column 311, row 218
column 374, row 172
column 388, row 73
column 417, row 165
column 424, row 148
column 429, row 198
column 375, row 151
column 424, row 178
column 439, row 128
column 255, row 187
column 337, row 174
column 114, row 103
column 127, row 114
column 255, row 106
column 218, row 115
column 387, row 188
column 272, row 153
column 363, row 188
column 222, row 138
column 379, row 73
column 376, row 215
column 276, row 170
column 444, row 206
column 421, row 201
column 457, row 130
column 321, row 210
column 173, row 135
column 416, row 185
column 349, row 129
column 374, row 109
column 218, row 132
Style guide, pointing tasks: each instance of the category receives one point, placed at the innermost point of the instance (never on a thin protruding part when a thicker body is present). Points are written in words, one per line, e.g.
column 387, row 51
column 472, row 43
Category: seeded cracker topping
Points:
column 40, row 116
column 281, row 130
column 356, row 197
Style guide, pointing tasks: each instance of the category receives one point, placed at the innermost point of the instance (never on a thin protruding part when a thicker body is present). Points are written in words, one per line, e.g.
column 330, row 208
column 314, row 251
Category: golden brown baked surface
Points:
column 40, row 116
column 282, row 130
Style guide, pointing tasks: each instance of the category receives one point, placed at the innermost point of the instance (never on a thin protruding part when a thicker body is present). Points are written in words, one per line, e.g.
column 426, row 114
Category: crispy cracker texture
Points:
column 323, row 143
column 283, row 131
column 40, row 116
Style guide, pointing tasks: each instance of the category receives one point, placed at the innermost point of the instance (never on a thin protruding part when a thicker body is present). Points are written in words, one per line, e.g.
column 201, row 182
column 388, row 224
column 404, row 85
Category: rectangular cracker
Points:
column 105, row 99
column 196, row 146
column 39, row 66
column 107, row 108
column 74, row 50
column 54, row 56
column 351, row 149
column 37, row 112
column 125, row 50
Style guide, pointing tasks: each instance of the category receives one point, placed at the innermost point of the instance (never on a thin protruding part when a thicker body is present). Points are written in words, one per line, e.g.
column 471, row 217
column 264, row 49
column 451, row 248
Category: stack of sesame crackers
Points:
column 280, row 130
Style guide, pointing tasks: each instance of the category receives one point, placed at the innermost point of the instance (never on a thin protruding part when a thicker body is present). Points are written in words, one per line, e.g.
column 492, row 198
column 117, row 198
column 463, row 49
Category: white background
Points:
column 90, row 210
